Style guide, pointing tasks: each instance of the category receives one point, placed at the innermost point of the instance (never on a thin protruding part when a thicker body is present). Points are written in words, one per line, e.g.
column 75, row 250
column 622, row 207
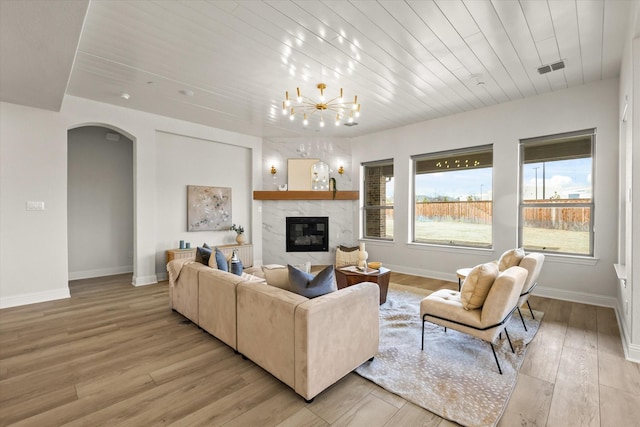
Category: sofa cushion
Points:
column 203, row 253
column 236, row 268
column 346, row 256
column 278, row 275
column 477, row 285
column 310, row 286
column 221, row 260
column 510, row 258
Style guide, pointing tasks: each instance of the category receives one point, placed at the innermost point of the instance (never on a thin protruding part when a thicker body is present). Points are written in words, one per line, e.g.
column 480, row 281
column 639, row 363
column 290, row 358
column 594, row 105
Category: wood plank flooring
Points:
column 114, row 354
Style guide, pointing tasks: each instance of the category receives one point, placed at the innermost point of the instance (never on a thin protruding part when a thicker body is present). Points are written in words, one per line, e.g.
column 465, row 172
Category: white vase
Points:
column 240, row 239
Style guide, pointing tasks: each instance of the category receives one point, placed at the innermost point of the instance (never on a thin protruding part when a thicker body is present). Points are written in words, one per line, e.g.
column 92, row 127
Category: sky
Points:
column 569, row 178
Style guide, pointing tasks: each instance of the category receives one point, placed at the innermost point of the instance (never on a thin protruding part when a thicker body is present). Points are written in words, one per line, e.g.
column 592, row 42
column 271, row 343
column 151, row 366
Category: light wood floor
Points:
column 114, row 354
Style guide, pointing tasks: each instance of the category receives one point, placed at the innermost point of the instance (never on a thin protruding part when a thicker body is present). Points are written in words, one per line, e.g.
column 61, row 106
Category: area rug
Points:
column 456, row 376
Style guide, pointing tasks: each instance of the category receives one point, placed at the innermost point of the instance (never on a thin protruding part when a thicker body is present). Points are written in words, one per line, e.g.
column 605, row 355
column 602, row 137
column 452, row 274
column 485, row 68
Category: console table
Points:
column 244, row 251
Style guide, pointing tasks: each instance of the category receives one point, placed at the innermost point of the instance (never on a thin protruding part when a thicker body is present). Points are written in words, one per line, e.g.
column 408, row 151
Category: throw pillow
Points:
column 310, row 286
column 236, row 268
column 510, row 258
column 221, row 260
column 203, row 254
column 346, row 256
column 476, row 286
column 278, row 275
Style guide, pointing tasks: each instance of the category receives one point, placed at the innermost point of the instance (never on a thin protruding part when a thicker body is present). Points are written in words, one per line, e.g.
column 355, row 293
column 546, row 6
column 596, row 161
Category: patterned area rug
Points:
column 456, row 376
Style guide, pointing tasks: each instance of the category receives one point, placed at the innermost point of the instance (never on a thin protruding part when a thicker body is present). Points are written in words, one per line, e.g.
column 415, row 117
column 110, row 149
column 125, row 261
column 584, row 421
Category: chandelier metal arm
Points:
column 308, row 106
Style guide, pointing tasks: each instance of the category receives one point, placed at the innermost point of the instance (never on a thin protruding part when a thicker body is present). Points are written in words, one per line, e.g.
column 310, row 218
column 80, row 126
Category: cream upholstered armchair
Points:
column 517, row 257
column 533, row 264
column 482, row 308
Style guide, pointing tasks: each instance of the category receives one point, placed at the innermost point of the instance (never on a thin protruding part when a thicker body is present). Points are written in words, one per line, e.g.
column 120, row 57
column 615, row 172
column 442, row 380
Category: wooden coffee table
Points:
column 381, row 277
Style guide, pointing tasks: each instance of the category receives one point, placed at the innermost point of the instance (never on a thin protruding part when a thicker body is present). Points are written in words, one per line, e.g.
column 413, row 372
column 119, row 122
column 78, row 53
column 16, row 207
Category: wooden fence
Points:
column 481, row 212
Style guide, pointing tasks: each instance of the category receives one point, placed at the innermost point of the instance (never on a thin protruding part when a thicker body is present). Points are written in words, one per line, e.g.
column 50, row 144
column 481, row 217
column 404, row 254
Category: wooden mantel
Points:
column 304, row 195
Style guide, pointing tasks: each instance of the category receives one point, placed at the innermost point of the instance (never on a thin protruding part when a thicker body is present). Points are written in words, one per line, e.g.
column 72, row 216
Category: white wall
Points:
column 204, row 163
column 591, row 106
column 628, row 297
column 99, row 203
column 33, row 166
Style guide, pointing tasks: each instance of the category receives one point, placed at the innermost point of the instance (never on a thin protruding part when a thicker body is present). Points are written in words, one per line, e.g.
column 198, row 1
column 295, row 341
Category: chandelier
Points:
column 336, row 108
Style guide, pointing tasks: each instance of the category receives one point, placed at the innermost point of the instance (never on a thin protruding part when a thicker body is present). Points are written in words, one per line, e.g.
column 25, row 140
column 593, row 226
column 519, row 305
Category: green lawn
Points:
column 466, row 234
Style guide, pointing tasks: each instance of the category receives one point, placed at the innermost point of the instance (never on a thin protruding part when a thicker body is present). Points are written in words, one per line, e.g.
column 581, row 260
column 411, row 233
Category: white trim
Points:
column 631, row 351
column 100, row 272
column 33, row 298
column 572, row 296
column 144, row 280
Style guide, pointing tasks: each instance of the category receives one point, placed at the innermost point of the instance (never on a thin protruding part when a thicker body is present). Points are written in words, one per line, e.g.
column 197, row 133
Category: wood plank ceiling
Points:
column 228, row 64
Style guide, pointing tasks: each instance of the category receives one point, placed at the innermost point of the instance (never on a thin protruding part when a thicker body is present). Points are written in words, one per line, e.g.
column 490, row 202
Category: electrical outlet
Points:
column 35, row 206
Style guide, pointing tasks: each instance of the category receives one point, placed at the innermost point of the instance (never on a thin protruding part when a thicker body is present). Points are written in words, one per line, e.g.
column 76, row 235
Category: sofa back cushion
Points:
column 278, row 275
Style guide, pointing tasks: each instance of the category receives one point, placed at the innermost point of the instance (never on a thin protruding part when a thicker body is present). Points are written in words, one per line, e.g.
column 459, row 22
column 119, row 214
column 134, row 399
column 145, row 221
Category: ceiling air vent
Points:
column 351, row 124
column 551, row 67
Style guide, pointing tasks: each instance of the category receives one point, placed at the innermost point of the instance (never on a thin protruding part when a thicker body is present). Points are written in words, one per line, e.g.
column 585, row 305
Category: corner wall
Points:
column 33, row 167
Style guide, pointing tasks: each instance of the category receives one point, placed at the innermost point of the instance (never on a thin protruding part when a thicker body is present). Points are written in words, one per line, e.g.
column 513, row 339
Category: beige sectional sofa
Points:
column 308, row 344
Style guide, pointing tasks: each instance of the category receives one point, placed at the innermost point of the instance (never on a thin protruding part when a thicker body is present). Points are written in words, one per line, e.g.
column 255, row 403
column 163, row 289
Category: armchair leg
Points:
column 495, row 357
column 529, row 305
column 509, row 339
column 422, row 347
column 522, row 318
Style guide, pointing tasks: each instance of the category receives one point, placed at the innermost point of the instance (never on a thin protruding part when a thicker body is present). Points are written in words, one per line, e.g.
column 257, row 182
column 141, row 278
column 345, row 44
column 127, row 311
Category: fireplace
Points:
column 307, row 234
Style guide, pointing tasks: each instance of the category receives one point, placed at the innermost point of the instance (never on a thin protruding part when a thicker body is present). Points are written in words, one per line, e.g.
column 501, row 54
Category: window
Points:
column 556, row 197
column 378, row 200
column 453, row 197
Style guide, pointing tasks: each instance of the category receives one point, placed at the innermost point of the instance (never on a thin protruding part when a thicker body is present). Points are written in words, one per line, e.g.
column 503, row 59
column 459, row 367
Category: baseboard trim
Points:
column 100, row 272
column 152, row 279
column 631, row 351
column 33, row 298
column 572, row 296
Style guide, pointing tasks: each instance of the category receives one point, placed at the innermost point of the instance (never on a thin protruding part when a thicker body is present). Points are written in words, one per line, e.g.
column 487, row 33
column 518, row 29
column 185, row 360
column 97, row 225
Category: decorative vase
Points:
column 240, row 239
column 362, row 256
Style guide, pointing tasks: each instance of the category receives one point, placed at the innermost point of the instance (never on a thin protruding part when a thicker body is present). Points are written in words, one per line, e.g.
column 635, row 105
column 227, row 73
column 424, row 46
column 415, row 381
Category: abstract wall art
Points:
column 208, row 208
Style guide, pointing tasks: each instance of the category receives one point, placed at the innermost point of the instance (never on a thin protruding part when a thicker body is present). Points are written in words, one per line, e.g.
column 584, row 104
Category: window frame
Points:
column 442, row 154
column 591, row 132
column 372, row 208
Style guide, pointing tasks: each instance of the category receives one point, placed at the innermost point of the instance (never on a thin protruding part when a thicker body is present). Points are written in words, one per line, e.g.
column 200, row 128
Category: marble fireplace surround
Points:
column 341, row 213
column 274, row 213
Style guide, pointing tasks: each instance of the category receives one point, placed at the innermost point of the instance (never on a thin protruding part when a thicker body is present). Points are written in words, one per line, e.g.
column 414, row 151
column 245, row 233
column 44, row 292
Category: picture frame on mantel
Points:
column 299, row 174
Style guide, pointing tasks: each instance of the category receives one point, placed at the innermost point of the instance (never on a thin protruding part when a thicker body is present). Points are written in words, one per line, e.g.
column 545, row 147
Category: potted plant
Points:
column 239, row 233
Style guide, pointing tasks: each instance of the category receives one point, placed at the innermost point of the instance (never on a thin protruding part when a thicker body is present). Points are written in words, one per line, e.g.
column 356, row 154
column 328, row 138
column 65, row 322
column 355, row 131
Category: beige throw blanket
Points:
column 174, row 267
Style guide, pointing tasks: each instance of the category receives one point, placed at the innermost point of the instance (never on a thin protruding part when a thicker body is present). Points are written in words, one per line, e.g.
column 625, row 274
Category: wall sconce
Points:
column 340, row 170
column 273, row 170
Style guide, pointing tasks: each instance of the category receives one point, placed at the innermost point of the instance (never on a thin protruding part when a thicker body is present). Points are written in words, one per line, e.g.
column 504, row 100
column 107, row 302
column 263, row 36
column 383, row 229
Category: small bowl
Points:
column 375, row 265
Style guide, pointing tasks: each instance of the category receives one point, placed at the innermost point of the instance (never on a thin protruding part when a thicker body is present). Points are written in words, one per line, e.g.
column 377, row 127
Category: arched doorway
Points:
column 100, row 202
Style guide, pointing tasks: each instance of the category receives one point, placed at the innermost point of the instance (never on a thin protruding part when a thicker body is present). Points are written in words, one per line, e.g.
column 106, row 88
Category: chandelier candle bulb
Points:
column 333, row 104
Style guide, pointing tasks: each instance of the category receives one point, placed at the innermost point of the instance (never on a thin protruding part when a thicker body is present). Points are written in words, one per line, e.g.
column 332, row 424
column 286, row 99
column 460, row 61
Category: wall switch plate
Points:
column 35, row 206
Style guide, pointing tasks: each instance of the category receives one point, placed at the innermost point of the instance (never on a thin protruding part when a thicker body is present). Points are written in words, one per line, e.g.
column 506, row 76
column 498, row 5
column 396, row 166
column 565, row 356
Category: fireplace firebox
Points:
column 307, row 234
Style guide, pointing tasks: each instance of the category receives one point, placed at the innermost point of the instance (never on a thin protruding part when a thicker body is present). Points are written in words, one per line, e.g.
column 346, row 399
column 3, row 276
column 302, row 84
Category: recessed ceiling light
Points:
column 125, row 95
column 186, row 92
